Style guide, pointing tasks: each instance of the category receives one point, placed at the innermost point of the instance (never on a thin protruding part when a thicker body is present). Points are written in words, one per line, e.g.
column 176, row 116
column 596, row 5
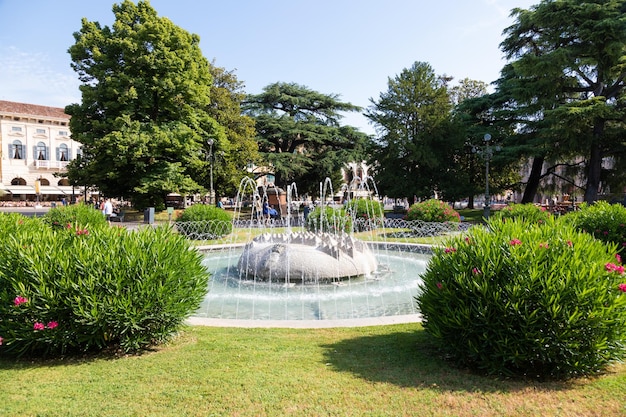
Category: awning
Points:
column 49, row 190
column 69, row 190
column 20, row 189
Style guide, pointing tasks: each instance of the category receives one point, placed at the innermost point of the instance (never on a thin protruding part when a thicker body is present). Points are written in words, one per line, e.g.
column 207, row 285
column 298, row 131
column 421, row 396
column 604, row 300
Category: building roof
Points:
column 24, row 109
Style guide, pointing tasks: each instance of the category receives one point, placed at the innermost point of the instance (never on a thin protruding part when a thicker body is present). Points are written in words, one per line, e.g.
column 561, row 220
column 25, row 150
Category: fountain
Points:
column 287, row 275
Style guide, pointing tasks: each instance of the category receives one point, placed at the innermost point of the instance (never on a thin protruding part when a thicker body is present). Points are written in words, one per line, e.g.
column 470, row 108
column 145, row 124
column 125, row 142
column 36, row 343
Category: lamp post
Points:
column 211, row 192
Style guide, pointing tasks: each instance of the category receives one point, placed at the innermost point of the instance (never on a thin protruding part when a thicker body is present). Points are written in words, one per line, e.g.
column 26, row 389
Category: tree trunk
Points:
column 470, row 202
column 595, row 164
column 533, row 180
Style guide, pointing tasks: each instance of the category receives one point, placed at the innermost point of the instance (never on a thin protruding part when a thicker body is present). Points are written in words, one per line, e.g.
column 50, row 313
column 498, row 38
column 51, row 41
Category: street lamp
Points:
column 211, row 192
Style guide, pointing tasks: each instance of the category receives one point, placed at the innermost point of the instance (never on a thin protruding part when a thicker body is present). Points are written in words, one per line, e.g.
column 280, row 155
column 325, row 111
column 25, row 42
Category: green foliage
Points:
column 82, row 214
column 573, row 81
column 415, row 155
column 329, row 220
column 143, row 120
column 604, row 221
column 202, row 221
column 93, row 287
column 290, row 117
column 433, row 211
column 528, row 212
column 542, row 301
column 367, row 214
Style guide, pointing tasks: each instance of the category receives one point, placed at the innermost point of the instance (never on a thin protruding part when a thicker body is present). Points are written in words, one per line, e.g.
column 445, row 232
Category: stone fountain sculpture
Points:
column 305, row 257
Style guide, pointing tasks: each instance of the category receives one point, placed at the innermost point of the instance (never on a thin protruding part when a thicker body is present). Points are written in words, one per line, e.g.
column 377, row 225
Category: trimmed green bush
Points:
column 61, row 216
column 528, row 212
column 202, row 222
column 89, row 288
column 367, row 214
column 329, row 220
column 433, row 211
column 604, row 221
column 539, row 301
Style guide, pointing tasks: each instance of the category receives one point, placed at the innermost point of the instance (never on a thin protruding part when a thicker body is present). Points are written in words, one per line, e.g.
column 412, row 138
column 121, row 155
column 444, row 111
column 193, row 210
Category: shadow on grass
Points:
column 411, row 359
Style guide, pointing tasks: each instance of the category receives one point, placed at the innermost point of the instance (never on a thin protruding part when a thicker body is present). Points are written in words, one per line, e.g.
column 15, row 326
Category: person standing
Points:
column 108, row 209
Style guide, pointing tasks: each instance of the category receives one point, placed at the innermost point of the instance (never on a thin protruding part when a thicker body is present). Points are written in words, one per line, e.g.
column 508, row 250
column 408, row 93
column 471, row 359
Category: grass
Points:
column 367, row 371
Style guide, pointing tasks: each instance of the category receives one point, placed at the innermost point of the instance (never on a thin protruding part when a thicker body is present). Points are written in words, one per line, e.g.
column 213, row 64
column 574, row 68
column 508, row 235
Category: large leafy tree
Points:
column 417, row 144
column 566, row 82
column 300, row 135
column 143, row 120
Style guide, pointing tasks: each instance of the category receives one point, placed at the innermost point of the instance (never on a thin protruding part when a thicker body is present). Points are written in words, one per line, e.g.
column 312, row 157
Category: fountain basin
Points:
column 305, row 258
column 389, row 292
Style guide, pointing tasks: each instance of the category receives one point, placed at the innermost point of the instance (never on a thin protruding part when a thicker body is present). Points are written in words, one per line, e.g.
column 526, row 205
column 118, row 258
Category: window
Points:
column 63, row 153
column 16, row 150
column 40, row 131
column 16, row 129
column 41, row 152
column 63, row 133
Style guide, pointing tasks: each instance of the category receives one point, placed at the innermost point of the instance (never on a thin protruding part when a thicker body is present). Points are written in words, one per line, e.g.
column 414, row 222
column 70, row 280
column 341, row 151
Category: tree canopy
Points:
column 300, row 136
column 565, row 84
column 146, row 114
column 417, row 144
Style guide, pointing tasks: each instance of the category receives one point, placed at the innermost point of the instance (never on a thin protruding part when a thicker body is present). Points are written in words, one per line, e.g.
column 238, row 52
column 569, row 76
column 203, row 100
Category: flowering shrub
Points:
column 604, row 221
column 60, row 217
column 202, row 221
column 529, row 212
column 367, row 214
column 523, row 299
column 433, row 211
column 66, row 290
column 329, row 220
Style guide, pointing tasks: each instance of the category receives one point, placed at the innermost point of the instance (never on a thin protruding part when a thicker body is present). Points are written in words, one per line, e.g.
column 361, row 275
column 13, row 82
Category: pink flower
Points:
column 619, row 258
column 569, row 243
column 68, row 226
column 622, row 288
column 439, row 285
column 611, row 267
column 20, row 300
column 476, row 271
column 38, row 326
column 1, row 340
column 468, row 240
column 515, row 242
column 543, row 245
column 52, row 325
column 82, row 232
column 448, row 250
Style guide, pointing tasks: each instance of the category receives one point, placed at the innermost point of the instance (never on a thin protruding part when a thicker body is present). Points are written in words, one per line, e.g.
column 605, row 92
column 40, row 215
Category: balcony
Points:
column 43, row 164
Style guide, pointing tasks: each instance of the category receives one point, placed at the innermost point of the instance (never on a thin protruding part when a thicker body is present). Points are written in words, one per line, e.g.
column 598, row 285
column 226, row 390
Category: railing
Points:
column 395, row 228
column 50, row 164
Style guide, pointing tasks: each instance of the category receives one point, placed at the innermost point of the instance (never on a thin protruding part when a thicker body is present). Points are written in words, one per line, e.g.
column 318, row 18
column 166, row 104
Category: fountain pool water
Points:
column 388, row 292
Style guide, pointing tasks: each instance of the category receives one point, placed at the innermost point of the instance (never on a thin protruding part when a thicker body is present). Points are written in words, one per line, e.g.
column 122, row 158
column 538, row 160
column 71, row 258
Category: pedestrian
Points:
column 107, row 209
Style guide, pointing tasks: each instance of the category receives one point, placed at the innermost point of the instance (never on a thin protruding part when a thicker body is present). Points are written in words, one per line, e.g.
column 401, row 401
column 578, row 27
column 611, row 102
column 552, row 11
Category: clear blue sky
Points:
column 345, row 47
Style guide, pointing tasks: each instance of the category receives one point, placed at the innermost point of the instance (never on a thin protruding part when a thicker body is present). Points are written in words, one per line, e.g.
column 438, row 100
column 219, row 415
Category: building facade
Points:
column 35, row 144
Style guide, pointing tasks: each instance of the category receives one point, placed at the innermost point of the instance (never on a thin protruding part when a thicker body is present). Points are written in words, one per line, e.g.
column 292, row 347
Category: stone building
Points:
column 35, row 143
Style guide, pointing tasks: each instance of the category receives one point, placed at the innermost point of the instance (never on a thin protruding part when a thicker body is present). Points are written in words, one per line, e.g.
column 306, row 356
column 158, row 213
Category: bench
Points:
column 119, row 217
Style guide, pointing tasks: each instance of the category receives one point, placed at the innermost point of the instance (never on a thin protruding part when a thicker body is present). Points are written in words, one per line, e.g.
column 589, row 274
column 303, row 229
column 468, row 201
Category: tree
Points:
column 143, row 118
column 241, row 147
column 415, row 151
column 299, row 134
column 568, row 78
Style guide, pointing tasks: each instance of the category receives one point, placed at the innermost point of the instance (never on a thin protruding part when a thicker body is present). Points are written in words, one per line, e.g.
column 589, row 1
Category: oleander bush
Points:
column 60, row 217
column 521, row 299
column 367, row 214
column 203, row 222
column 329, row 220
column 77, row 289
column 433, row 211
column 529, row 212
column 604, row 221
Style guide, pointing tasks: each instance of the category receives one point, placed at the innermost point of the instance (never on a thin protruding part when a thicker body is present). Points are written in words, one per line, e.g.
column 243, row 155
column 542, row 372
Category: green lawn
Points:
column 367, row 371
